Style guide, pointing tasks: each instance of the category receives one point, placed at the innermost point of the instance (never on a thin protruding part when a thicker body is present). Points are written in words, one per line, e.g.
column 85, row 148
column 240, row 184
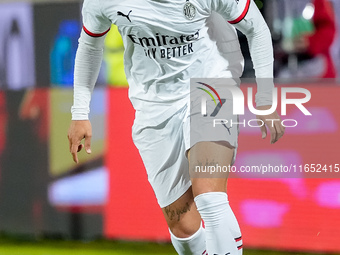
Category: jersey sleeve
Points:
column 233, row 11
column 95, row 23
column 246, row 17
column 88, row 58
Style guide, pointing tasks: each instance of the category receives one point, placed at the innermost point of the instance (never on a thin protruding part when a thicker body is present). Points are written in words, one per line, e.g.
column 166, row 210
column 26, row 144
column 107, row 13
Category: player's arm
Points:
column 246, row 17
column 87, row 65
column 259, row 39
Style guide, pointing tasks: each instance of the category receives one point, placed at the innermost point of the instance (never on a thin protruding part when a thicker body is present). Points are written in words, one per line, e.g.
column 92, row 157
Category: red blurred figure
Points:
column 321, row 41
column 312, row 48
column 35, row 107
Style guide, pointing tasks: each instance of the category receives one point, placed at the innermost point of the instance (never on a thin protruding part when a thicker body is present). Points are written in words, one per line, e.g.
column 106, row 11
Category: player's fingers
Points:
column 262, row 128
column 279, row 130
column 80, row 146
column 283, row 129
column 76, row 146
column 273, row 134
column 74, row 150
column 88, row 144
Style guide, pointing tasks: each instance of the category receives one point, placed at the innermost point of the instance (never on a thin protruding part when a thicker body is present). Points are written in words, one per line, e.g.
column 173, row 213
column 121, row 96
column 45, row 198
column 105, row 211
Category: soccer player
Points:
column 166, row 44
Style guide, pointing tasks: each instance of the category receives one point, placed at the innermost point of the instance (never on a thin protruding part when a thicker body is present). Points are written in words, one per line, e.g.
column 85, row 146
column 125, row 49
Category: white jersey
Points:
column 167, row 43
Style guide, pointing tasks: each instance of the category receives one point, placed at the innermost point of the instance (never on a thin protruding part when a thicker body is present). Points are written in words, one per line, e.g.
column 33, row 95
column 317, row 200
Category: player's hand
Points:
column 79, row 130
column 273, row 122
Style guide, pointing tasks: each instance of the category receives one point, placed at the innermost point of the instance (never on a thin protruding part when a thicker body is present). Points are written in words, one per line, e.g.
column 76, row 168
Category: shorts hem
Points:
column 179, row 193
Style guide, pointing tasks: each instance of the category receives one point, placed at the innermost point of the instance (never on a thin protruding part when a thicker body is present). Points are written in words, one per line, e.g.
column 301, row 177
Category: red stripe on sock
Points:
column 238, row 239
column 240, row 247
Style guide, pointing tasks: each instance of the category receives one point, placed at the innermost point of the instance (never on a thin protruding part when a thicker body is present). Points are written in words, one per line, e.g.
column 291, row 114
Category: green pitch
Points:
column 46, row 247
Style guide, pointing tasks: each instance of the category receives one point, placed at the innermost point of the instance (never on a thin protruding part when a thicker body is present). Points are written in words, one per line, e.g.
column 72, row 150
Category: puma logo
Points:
column 126, row 16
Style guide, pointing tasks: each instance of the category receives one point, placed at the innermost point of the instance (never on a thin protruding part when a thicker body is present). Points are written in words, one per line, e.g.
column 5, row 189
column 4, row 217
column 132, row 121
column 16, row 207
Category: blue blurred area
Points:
column 63, row 53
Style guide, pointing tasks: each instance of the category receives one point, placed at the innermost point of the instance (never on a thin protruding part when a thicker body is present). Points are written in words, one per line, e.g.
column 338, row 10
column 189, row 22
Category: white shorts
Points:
column 163, row 148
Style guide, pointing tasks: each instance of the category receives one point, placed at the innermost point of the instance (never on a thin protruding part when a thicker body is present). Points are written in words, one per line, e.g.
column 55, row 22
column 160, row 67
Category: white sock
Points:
column 192, row 245
column 223, row 235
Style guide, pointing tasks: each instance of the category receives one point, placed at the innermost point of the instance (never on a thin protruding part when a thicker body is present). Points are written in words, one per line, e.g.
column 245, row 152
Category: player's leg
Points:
column 163, row 150
column 223, row 235
column 185, row 225
column 182, row 216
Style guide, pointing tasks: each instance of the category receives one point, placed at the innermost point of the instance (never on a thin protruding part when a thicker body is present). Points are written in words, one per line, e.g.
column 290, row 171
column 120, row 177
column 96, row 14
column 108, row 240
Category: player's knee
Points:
column 182, row 216
column 181, row 230
column 183, row 220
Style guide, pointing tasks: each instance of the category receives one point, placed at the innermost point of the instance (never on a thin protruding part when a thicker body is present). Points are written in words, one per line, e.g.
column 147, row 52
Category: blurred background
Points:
column 44, row 195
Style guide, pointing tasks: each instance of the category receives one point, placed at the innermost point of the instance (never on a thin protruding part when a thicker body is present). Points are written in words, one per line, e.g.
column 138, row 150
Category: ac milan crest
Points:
column 189, row 10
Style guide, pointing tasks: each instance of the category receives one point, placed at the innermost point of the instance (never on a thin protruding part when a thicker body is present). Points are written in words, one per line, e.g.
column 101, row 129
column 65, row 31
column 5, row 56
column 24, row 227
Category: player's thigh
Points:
column 209, row 163
column 182, row 216
column 162, row 150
